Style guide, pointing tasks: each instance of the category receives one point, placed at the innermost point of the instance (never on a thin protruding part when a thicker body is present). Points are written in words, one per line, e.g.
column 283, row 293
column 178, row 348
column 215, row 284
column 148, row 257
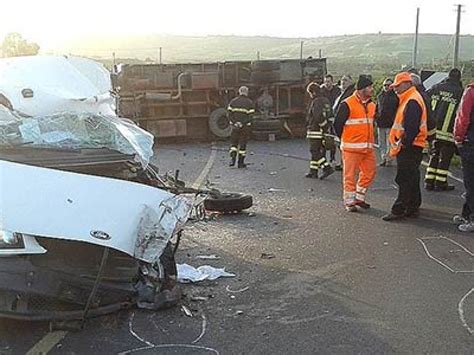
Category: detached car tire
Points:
column 228, row 202
column 219, row 123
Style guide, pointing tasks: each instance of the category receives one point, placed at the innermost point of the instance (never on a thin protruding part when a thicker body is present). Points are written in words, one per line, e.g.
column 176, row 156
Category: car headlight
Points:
column 11, row 240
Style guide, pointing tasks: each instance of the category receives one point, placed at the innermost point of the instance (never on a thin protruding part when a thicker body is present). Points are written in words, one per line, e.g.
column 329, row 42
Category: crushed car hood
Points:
column 130, row 217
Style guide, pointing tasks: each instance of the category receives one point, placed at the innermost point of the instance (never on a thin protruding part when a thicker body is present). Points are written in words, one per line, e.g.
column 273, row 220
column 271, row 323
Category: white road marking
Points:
column 47, row 343
column 205, row 172
column 425, row 247
column 203, row 330
column 461, row 312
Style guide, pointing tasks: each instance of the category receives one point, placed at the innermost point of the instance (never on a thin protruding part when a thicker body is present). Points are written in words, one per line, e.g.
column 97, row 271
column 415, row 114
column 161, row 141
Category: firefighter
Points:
column 445, row 99
column 407, row 140
column 354, row 124
column 240, row 111
column 318, row 114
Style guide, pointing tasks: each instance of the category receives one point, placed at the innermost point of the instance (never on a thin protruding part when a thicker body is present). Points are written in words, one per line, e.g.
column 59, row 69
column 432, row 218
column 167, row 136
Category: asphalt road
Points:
column 332, row 282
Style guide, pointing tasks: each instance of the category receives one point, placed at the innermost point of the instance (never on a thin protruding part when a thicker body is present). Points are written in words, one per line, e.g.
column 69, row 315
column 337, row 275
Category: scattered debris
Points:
column 237, row 291
column 199, row 299
column 267, row 256
column 273, row 173
column 239, row 313
column 187, row 273
column 203, row 329
column 274, row 189
column 385, row 243
column 186, row 311
column 208, row 257
column 251, row 214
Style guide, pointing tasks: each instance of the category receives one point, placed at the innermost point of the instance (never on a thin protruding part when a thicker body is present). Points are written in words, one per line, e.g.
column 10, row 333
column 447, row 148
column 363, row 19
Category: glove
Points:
column 238, row 125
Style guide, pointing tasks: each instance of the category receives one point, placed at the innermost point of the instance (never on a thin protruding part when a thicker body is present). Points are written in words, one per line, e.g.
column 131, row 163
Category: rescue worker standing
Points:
column 354, row 124
column 387, row 104
column 445, row 99
column 464, row 138
column 407, row 140
column 240, row 111
column 318, row 114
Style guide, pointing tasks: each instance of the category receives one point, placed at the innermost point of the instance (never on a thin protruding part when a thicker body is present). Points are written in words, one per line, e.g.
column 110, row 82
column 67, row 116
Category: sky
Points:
column 53, row 22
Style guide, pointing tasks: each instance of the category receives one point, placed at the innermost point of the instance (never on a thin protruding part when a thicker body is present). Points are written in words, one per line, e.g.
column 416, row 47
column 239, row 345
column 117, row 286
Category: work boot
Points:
column 429, row 186
column 443, row 187
column 313, row 174
column 240, row 163
column 466, row 227
column 362, row 204
column 458, row 219
column 351, row 208
column 392, row 217
column 328, row 170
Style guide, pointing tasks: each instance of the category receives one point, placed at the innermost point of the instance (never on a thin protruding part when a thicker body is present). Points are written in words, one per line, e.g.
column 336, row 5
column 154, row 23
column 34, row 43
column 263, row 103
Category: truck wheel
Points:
column 219, row 123
column 267, row 125
column 228, row 202
column 265, row 65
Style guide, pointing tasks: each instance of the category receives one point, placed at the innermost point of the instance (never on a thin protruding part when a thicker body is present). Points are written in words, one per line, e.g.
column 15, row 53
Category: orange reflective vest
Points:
column 397, row 131
column 358, row 133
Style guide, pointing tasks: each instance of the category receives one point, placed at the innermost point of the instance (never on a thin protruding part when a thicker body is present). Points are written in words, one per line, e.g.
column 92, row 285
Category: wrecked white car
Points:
column 85, row 220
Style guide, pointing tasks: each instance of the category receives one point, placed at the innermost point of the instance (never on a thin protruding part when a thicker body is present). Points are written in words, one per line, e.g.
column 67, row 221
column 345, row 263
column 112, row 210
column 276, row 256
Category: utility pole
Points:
column 458, row 31
column 415, row 46
column 258, row 55
column 161, row 54
column 301, row 50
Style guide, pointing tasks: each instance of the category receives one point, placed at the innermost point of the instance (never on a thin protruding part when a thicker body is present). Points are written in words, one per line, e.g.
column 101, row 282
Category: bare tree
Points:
column 14, row 45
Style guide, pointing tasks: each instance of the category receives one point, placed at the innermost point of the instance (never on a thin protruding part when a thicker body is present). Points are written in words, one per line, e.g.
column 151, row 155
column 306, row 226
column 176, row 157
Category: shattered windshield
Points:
column 76, row 131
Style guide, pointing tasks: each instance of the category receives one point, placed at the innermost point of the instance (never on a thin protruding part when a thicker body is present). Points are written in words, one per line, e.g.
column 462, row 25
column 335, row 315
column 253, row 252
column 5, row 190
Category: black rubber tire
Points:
column 265, row 77
column 219, row 123
column 267, row 125
column 265, row 65
column 228, row 202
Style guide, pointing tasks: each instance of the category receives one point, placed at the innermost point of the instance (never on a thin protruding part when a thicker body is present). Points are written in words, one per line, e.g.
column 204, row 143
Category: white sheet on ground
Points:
column 188, row 273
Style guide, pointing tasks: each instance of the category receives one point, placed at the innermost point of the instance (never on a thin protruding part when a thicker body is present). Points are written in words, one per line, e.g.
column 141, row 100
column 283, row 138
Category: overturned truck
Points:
column 188, row 101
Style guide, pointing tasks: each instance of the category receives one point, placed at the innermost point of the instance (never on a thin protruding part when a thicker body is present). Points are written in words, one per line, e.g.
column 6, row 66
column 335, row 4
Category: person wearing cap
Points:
column 387, row 104
column 319, row 112
column 407, row 140
column 464, row 139
column 240, row 112
column 354, row 124
column 445, row 99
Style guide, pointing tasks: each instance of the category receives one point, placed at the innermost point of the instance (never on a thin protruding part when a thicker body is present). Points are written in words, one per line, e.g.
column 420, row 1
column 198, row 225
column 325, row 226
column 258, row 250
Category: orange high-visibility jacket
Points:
column 358, row 132
column 397, row 131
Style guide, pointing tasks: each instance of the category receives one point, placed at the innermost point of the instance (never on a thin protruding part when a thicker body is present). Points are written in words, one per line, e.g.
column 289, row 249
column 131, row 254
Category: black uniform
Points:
column 445, row 99
column 318, row 114
column 240, row 110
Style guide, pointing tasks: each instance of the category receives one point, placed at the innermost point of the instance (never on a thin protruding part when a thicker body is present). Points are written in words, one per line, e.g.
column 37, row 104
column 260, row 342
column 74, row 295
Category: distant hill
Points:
column 392, row 48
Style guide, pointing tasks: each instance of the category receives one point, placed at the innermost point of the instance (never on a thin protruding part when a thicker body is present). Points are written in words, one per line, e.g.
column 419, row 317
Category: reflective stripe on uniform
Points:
column 359, row 121
column 356, row 145
column 441, row 179
column 241, row 110
column 430, row 177
column 431, row 170
column 242, row 152
column 233, row 149
column 442, row 172
column 349, row 197
column 398, row 126
column 324, row 123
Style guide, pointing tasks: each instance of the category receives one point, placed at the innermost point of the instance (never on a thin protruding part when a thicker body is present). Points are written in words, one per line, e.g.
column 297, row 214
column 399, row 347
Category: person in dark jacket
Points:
column 464, row 138
column 330, row 91
column 431, row 123
column 318, row 114
column 445, row 99
column 387, row 104
column 347, row 89
column 240, row 111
